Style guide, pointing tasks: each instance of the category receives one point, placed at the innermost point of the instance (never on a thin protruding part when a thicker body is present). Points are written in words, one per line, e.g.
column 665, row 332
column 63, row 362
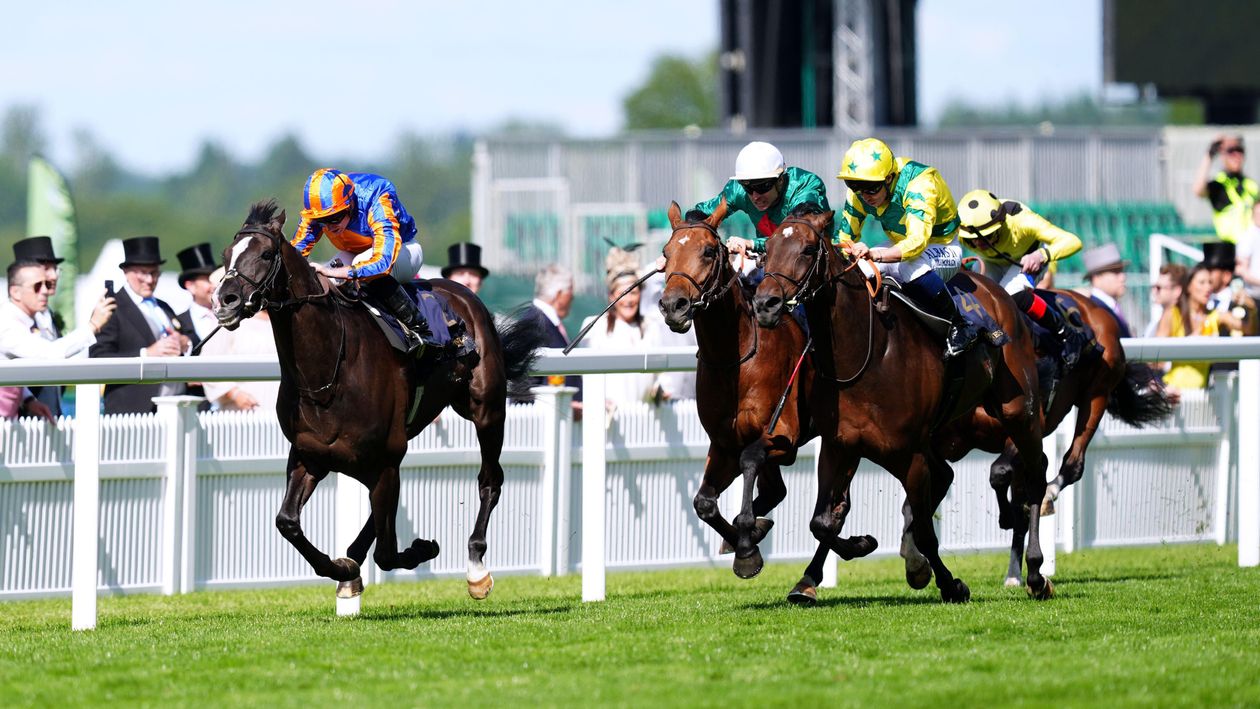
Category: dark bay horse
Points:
column 741, row 373
column 1107, row 383
column 880, row 393
column 349, row 402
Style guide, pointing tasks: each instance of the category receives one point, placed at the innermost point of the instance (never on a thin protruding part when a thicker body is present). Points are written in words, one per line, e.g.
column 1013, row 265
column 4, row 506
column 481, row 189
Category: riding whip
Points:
column 591, row 324
column 196, row 350
column 778, row 409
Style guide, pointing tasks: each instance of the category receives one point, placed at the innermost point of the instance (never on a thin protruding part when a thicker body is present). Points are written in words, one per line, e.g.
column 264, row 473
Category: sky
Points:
column 150, row 81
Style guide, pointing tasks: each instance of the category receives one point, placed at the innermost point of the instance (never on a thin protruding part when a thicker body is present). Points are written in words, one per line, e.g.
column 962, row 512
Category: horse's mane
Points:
column 261, row 213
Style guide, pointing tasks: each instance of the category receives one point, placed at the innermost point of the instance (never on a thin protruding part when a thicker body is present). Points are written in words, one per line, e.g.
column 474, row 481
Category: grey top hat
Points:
column 141, row 251
column 1219, row 254
column 1103, row 258
column 196, row 261
column 35, row 248
column 464, row 255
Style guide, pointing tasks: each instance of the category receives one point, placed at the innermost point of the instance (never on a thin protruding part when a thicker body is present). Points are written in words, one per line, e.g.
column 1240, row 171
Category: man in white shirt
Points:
column 21, row 336
column 196, row 264
column 40, row 248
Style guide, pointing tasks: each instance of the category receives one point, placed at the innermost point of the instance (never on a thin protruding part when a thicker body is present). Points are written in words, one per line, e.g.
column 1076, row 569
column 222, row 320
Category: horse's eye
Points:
column 268, row 255
column 710, row 251
column 811, row 250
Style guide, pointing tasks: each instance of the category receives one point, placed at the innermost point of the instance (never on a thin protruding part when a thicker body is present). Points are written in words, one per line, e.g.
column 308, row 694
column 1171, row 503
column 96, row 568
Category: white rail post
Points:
column 352, row 508
column 178, row 418
column 1249, row 462
column 555, row 405
column 87, row 497
column 594, row 480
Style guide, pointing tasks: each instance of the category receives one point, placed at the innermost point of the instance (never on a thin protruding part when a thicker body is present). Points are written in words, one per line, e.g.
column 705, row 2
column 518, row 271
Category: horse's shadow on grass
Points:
column 854, row 602
column 414, row 612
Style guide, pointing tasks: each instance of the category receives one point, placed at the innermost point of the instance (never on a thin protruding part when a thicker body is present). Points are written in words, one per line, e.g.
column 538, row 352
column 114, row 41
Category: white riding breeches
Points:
column 406, row 266
column 945, row 259
column 1010, row 276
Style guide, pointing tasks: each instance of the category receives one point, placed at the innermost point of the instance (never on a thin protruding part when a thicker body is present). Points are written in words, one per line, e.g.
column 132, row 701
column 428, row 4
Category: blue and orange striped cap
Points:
column 327, row 192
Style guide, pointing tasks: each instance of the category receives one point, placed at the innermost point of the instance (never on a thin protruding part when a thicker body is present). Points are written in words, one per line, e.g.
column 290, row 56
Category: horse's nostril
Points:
column 230, row 299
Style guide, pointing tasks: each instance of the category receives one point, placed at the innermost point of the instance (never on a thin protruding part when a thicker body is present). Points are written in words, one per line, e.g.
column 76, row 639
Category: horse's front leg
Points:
column 750, row 528
column 719, row 472
column 300, row 487
column 384, row 498
column 1073, row 466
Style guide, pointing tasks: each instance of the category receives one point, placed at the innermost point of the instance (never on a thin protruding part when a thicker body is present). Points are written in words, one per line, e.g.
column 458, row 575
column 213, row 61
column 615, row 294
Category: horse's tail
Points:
column 521, row 340
column 1141, row 398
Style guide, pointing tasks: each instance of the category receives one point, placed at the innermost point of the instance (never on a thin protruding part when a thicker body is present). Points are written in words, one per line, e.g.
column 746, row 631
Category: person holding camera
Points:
column 1231, row 193
column 22, row 338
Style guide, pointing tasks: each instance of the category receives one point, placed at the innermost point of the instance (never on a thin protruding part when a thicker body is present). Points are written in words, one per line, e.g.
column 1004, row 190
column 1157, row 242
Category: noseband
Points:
column 263, row 295
column 819, row 264
column 713, row 288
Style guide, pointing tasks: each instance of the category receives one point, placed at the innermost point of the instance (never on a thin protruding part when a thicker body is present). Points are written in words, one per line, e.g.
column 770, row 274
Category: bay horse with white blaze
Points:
column 349, row 401
column 742, row 372
column 880, row 393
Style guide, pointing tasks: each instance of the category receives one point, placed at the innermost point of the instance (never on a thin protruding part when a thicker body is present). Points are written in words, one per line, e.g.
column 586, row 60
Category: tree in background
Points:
column 678, row 92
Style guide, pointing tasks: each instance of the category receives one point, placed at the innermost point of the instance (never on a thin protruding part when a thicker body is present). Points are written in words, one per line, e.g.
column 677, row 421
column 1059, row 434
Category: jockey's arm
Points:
column 386, row 239
column 920, row 207
column 305, row 237
column 849, row 228
column 1056, row 243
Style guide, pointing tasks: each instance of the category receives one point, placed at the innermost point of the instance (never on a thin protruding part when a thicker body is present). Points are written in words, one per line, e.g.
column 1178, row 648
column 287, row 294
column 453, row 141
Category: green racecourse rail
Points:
column 88, row 374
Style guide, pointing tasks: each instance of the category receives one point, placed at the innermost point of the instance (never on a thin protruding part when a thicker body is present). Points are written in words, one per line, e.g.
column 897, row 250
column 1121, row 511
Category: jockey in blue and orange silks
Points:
column 361, row 215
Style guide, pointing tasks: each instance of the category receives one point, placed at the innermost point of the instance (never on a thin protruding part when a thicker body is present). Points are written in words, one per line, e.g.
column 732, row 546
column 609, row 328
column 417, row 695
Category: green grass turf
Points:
column 1164, row 626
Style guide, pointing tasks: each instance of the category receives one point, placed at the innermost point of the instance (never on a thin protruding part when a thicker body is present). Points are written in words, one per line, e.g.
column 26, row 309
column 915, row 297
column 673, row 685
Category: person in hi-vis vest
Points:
column 1231, row 193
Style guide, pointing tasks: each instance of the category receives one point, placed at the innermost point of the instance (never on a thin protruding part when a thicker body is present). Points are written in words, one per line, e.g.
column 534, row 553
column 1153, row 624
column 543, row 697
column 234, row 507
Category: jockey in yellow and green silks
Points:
column 361, row 215
column 1016, row 245
column 914, row 206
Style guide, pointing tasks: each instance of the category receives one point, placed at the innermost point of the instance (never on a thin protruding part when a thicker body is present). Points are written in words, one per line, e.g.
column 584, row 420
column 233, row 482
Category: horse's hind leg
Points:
column 1073, row 466
column 384, row 497
column 1000, row 480
column 301, row 484
column 489, row 487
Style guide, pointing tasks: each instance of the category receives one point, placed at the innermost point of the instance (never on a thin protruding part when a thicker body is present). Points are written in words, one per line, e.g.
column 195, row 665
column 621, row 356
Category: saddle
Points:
column 445, row 325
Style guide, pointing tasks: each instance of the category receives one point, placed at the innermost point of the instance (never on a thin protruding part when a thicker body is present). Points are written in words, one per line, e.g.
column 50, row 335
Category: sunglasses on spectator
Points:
column 759, row 186
column 38, row 286
column 864, row 187
column 1235, row 149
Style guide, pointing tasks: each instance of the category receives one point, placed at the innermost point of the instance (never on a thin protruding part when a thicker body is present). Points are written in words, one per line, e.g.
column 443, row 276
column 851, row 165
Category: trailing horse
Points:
column 742, row 373
column 881, row 393
column 349, row 401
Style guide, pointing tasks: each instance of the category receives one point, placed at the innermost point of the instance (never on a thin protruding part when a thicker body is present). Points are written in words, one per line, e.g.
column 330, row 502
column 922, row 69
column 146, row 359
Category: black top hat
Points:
column 195, row 261
column 464, row 255
column 141, row 251
column 1219, row 254
column 36, row 248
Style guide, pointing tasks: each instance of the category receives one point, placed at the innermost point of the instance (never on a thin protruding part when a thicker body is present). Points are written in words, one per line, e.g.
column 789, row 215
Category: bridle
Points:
column 714, row 287
column 820, row 270
column 263, row 297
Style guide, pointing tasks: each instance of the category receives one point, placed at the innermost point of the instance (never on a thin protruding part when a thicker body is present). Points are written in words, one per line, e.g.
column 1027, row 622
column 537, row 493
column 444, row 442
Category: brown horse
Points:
column 349, row 401
column 1130, row 391
column 741, row 374
column 880, row 393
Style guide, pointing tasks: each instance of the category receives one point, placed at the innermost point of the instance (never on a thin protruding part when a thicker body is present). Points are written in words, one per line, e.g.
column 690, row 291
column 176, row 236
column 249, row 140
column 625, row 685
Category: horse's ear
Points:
column 718, row 214
column 821, row 219
column 675, row 215
column 277, row 223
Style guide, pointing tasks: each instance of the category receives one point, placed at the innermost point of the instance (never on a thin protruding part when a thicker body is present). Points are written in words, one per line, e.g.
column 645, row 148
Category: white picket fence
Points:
column 187, row 500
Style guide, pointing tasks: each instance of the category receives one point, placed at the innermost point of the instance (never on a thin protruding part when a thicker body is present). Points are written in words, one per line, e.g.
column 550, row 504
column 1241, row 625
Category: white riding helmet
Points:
column 758, row 161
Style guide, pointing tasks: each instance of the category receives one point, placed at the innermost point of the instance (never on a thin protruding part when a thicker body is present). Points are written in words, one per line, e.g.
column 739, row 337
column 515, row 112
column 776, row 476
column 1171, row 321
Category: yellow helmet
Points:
column 980, row 212
column 868, row 160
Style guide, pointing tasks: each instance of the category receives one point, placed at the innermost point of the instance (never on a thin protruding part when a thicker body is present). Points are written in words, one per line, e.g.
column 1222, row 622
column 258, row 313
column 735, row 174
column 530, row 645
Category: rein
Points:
column 802, row 296
column 715, row 289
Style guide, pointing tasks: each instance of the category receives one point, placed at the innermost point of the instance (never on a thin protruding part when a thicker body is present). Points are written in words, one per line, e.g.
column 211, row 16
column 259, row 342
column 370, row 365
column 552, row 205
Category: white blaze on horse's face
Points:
column 684, row 240
column 237, row 250
column 788, row 232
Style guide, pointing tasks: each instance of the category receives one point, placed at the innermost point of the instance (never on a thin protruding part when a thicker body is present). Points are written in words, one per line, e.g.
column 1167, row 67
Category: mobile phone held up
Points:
column 109, row 289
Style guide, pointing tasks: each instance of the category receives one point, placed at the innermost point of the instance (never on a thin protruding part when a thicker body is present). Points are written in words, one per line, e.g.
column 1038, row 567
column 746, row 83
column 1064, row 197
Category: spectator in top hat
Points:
column 1231, row 193
column 40, row 250
column 1104, row 270
column 1220, row 261
column 143, row 326
column 196, row 264
column 464, row 265
column 21, row 338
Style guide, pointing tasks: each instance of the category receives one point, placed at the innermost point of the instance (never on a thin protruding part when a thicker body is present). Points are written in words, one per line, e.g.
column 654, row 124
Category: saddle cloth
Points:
column 967, row 304
column 438, row 313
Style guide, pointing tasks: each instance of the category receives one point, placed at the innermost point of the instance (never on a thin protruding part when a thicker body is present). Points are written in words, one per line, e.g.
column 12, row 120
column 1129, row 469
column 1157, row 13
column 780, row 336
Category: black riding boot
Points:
column 1073, row 338
column 392, row 296
column 962, row 334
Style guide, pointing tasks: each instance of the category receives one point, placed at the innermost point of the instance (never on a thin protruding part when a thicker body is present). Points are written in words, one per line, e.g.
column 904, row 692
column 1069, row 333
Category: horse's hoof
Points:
column 347, row 570
column 1006, row 519
column 1047, row 507
column 350, row 589
column 425, row 549
column 750, row 566
column 861, row 546
column 803, row 594
column 1046, row 592
column 958, row 594
column 480, row 589
column 918, row 576
column 1013, row 582
column 761, row 528
column 726, row 548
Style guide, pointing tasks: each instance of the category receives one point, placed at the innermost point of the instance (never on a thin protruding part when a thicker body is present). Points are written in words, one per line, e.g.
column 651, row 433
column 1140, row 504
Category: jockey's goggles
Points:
column 863, row 187
column 759, row 186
